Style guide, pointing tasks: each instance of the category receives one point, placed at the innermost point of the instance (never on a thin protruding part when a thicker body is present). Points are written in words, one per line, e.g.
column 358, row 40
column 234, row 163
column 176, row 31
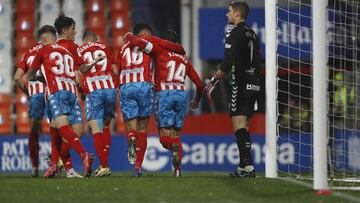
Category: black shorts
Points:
column 241, row 105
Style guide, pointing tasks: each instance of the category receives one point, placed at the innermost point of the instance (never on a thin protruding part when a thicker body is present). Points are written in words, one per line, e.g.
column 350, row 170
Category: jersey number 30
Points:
column 64, row 64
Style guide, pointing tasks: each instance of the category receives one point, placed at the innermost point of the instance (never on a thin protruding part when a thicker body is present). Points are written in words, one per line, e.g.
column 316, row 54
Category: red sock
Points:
column 65, row 155
column 55, row 145
column 99, row 147
column 70, row 136
column 141, row 144
column 166, row 142
column 176, row 140
column 34, row 149
column 106, row 143
column 130, row 134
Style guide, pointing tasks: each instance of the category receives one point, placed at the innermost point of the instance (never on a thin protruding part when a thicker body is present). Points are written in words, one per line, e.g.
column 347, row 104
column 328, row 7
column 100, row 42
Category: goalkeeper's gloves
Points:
column 194, row 105
column 209, row 88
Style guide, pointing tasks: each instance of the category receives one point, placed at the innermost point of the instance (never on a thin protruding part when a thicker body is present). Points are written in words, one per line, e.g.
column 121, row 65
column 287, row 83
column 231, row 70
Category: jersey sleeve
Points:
column 77, row 56
column 196, row 79
column 38, row 60
column 171, row 46
column 147, row 46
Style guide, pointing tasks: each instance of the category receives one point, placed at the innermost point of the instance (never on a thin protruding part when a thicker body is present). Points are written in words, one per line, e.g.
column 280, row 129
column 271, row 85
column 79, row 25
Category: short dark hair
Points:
column 89, row 33
column 47, row 29
column 240, row 6
column 172, row 36
column 138, row 27
column 63, row 22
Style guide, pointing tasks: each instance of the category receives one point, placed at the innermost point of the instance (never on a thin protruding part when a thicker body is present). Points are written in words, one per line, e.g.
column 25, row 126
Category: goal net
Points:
column 295, row 81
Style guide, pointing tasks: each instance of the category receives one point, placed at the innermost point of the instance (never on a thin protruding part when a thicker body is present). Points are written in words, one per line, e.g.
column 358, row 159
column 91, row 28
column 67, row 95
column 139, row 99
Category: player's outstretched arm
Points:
column 19, row 80
column 171, row 46
column 86, row 67
column 35, row 75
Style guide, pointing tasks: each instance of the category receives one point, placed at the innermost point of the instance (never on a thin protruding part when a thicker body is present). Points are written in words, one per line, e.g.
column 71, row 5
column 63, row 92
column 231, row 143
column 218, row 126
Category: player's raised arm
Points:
column 194, row 104
column 166, row 44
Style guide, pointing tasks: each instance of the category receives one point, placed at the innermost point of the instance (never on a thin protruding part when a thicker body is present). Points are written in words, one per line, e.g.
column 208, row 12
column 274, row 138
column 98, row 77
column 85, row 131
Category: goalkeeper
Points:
column 242, row 61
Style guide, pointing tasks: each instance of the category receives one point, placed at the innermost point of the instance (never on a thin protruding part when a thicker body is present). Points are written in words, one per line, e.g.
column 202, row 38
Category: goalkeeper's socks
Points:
column 55, row 149
column 244, row 144
column 166, row 142
column 141, row 144
column 34, row 149
column 176, row 140
column 99, row 147
column 70, row 136
column 106, row 143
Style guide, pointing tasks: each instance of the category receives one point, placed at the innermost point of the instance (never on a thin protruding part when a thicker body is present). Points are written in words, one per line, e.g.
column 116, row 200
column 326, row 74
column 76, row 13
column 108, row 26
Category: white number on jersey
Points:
column 64, row 64
column 88, row 57
column 133, row 58
column 30, row 60
column 176, row 73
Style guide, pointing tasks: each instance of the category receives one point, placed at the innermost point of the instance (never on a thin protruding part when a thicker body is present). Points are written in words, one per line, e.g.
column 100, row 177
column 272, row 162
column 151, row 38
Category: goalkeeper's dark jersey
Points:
column 242, row 57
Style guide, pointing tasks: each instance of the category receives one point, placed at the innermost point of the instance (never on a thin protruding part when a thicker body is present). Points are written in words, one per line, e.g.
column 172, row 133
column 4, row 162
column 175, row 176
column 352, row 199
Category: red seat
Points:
column 24, row 42
column 96, row 23
column 25, row 24
column 95, row 6
column 25, row 6
column 120, row 24
column 103, row 39
column 5, row 99
column 5, row 119
column 117, row 6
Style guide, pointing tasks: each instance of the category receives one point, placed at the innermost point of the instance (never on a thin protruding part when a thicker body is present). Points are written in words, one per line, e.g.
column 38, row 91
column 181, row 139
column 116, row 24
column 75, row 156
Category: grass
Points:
column 160, row 187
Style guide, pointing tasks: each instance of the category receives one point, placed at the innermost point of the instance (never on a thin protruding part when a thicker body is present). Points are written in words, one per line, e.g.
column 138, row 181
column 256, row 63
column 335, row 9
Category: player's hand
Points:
column 126, row 36
column 209, row 87
column 100, row 58
column 194, row 105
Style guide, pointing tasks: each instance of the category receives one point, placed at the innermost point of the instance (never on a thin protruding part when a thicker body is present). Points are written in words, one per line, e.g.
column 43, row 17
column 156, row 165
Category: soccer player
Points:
column 100, row 94
column 136, row 96
column 242, row 60
column 65, row 27
column 170, row 73
column 35, row 91
column 59, row 75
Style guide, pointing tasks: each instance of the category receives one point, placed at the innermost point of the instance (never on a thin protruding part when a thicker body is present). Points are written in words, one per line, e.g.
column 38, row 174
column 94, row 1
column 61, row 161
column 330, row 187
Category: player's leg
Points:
column 145, row 101
column 76, row 123
column 109, row 114
column 130, row 111
column 36, row 113
column 239, row 119
column 180, row 108
column 62, row 104
column 165, row 117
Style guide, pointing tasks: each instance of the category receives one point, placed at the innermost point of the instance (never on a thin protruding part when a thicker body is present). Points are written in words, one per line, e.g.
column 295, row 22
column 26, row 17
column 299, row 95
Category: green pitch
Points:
column 160, row 187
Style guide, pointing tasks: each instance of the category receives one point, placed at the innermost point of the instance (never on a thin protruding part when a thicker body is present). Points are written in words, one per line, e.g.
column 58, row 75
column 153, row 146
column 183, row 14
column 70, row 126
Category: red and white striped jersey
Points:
column 58, row 67
column 134, row 65
column 171, row 68
column 100, row 76
column 34, row 87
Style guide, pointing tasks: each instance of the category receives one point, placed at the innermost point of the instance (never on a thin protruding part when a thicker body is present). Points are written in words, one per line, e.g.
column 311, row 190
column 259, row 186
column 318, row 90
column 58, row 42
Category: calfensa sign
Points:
column 200, row 153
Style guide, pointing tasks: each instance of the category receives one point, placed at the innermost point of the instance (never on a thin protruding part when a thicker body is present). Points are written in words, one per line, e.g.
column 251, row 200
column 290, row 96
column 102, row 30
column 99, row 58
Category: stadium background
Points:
column 207, row 134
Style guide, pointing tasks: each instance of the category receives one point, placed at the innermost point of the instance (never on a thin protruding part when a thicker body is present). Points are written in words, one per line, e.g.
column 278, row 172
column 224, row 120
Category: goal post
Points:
column 313, row 92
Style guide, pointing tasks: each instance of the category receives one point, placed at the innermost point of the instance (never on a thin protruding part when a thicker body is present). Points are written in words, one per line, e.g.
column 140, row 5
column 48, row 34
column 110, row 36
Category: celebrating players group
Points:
column 59, row 71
